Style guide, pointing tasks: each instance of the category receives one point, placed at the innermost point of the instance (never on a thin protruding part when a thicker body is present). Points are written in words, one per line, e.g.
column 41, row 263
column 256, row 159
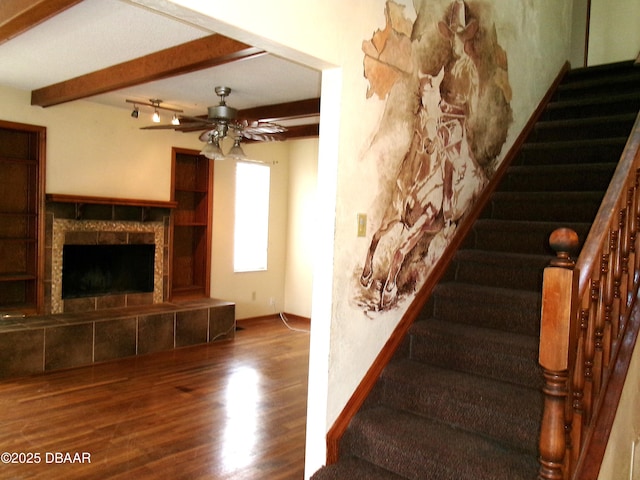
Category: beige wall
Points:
column 96, row 150
column 303, row 177
column 614, row 34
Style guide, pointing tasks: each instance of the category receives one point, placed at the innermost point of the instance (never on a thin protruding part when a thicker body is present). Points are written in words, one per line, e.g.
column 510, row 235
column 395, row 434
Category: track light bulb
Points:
column 156, row 117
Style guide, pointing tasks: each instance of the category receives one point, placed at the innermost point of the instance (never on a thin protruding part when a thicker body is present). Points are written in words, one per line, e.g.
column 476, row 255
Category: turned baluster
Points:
column 609, row 298
column 635, row 213
column 577, row 389
column 625, row 255
column 555, row 333
column 618, row 268
column 600, row 322
column 590, row 347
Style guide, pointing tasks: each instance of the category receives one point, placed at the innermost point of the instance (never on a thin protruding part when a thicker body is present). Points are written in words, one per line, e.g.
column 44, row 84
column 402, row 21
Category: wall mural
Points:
column 445, row 84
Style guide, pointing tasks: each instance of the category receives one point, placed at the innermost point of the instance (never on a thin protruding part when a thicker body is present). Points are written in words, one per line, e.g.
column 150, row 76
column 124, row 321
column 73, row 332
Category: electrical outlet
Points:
column 272, row 301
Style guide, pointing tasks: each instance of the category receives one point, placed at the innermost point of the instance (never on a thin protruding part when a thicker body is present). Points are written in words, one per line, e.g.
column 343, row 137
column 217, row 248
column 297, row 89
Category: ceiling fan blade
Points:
column 188, row 118
column 204, row 136
column 160, row 127
column 263, row 131
column 264, row 137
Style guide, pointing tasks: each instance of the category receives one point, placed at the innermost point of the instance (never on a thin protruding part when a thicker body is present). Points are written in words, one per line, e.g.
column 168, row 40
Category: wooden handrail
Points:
column 585, row 319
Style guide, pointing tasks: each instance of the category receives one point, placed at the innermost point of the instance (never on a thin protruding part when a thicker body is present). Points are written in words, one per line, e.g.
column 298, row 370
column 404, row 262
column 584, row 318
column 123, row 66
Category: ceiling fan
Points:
column 221, row 121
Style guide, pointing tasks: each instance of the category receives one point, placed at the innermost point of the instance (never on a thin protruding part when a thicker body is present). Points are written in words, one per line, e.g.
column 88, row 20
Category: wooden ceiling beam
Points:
column 18, row 16
column 188, row 57
column 282, row 111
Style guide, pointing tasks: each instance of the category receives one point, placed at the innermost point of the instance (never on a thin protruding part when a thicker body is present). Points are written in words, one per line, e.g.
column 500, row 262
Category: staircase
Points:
column 462, row 399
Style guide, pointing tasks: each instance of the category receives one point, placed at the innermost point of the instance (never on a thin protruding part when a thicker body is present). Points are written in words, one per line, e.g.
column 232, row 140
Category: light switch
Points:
column 362, row 224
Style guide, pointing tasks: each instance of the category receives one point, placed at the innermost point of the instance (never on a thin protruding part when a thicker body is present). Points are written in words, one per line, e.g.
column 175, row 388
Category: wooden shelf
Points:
column 58, row 197
column 192, row 184
column 22, row 160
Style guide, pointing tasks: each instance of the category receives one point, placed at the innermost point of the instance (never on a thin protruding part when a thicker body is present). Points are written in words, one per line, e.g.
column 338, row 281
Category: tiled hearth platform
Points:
column 40, row 344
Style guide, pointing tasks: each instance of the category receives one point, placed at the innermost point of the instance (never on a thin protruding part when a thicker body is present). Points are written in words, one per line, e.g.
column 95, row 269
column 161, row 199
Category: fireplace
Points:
column 114, row 253
column 94, row 270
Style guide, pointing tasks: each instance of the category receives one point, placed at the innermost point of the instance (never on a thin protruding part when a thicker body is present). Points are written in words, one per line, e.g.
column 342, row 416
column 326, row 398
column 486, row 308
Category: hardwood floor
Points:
column 229, row 410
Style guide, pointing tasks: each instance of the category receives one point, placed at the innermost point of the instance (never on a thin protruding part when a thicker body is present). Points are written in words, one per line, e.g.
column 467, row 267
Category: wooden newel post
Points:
column 555, row 330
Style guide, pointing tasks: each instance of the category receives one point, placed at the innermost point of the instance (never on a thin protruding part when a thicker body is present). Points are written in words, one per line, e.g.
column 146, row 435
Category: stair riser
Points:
column 402, row 448
column 570, row 153
column 506, row 275
column 514, row 315
column 540, row 209
column 610, row 107
column 504, row 239
column 579, row 89
column 580, row 131
column 580, row 179
column 470, row 355
column 468, row 411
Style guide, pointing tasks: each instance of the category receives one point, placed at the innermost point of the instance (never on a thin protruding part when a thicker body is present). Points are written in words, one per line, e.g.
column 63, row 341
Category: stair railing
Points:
column 586, row 307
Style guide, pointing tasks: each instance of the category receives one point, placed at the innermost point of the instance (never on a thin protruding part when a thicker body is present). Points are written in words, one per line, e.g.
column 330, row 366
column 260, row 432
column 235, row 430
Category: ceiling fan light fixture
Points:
column 136, row 112
column 236, row 152
column 212, row 149
column 156, row 117
column 175, row 120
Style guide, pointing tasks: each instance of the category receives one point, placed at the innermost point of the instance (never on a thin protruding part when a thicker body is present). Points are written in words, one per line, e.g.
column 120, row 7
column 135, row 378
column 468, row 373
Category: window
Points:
column 252, row 217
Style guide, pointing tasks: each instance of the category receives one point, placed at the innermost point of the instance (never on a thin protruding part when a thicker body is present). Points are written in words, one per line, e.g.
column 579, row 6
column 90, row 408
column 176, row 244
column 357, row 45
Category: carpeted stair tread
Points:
column 502, row 411
column 605, row 71
column 518, row 236
column 545, row 206
column 600, row 105
column 577, row 152
column 576, row 87
column 514, row 357
column 418, row 448
column 353, row 468
column 498, row 269
column 593, row 176
column 580, row 128
column 516, row 311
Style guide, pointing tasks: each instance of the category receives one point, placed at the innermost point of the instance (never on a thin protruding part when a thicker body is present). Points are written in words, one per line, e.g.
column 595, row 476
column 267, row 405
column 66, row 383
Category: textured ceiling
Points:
column 95, row 34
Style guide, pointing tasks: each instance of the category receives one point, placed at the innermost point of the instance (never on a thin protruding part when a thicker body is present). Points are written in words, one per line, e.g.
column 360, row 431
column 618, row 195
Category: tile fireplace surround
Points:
column 103, row 224
column 83, row 331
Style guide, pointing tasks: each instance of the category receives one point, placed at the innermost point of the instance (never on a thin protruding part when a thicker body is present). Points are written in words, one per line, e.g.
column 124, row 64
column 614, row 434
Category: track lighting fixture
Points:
column 155, row 103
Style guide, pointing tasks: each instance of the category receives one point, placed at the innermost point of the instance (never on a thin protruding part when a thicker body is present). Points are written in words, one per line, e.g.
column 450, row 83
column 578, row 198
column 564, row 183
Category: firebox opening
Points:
column 95, row 270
